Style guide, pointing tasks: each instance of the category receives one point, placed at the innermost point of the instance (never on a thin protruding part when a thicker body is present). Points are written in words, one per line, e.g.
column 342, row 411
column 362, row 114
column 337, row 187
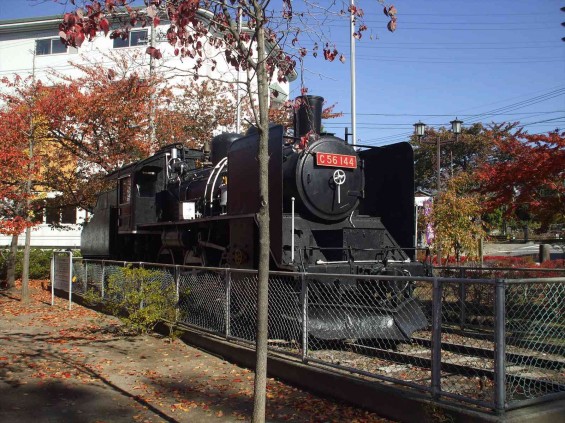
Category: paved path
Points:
column 520, row 249
column 58, row 365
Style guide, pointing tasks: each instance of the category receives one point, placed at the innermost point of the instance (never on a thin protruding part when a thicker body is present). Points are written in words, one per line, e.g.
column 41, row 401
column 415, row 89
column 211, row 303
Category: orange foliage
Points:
column 526, row 173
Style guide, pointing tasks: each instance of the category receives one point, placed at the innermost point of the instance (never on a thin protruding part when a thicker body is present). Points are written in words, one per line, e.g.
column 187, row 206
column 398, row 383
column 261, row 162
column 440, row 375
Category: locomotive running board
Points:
column 346, row 323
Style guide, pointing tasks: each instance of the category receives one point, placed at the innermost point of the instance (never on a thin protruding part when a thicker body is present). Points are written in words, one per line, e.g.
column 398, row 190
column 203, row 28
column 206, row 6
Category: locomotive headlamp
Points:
column 456, row 126
column 419, row 129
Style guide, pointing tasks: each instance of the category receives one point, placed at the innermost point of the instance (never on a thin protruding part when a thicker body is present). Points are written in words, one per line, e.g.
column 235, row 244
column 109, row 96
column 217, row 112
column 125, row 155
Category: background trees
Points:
column 196, row 111
column 471, row 149
column 502, row 176
column 23, row 125
column 525, row 175
column 456, row 219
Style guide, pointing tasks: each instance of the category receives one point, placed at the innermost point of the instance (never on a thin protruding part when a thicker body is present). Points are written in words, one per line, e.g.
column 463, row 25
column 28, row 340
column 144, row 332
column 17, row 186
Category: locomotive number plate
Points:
column 336, row 160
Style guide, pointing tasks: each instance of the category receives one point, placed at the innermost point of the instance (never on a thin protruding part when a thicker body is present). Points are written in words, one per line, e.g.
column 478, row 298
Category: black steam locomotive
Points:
column 333, row 210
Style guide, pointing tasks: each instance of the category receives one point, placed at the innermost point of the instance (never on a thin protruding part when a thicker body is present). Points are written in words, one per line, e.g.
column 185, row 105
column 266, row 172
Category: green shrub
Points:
column 142, row 297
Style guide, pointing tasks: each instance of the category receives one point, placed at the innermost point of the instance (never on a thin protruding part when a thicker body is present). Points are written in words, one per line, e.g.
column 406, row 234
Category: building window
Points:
column 52, row 216
column 51, row 46
column 69, row 215
column 56, row 215
column 136, row 38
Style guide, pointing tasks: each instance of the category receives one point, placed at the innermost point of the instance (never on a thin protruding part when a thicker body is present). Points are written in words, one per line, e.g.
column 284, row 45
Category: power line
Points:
column 511, row 98
column 524, row 103
column 460, row 62
column 447, row 115
column 455, row 48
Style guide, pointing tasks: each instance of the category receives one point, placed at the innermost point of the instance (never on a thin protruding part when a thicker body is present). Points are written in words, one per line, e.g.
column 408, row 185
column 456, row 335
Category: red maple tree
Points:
column 526, row 175
column 23, row 129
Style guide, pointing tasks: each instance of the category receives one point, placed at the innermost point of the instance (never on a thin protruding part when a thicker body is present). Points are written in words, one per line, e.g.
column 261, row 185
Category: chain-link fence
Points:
column 492, row 342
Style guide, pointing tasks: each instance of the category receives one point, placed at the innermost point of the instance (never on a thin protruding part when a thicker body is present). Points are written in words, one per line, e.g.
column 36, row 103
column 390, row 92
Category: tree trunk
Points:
column 11, row 263
column 25, row 267
column 263, row 223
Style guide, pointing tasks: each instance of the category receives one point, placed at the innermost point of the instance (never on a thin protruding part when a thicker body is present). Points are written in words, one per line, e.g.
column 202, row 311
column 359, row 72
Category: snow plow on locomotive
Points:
column 333, row 211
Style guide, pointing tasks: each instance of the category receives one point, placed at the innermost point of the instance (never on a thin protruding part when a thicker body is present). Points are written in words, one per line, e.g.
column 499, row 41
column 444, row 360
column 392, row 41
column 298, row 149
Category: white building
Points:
column 32, row 46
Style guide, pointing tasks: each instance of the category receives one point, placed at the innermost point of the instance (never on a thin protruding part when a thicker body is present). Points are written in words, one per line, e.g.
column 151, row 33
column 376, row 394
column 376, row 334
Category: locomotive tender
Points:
column 333, row 210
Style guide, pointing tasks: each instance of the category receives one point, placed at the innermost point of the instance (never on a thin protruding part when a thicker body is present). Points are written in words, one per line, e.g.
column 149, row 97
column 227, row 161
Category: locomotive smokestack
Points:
column 308, row 116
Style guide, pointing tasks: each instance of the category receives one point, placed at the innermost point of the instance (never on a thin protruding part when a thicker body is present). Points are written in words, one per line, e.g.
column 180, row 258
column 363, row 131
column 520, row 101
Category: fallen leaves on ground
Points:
column 161, row 378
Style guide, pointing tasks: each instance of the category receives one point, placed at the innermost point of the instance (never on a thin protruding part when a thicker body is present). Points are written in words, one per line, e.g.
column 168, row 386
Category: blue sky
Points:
column 481, row 61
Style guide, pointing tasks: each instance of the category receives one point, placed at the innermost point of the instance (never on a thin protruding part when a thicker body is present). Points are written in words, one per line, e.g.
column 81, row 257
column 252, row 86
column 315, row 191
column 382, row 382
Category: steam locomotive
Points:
column 333, row 210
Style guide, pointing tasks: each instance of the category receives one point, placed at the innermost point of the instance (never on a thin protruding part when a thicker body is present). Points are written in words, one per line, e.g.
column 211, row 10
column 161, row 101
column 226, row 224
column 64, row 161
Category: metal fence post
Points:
column 228, row 303
column 500, row 346
column 177, row 288
column 142, row 301
column 53, row 279
column 304, row 303
column 436, row 338
column 102, row 280
column 85, row 283
column 462, row 298
column 70, row 280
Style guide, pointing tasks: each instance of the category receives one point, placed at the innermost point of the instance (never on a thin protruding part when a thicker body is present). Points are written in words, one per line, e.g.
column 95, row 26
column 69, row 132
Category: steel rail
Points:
column 515, row 358
column 459, row 369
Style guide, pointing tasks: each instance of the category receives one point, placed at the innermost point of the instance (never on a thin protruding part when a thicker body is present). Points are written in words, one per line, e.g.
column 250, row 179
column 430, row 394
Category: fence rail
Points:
column 496, row 343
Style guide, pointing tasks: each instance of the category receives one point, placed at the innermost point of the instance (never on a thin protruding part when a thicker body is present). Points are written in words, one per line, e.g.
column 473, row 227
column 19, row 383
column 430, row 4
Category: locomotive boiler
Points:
column 334, row 211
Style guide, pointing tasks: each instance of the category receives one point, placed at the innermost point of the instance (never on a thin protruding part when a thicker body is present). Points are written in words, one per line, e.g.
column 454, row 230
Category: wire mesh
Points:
column 202, row 299
column 286, row 313
column 468, row 334
column 367, row 325
column 243, row 306
column 381, row 326
column 535, row 339
column 111, row 272
column 94, row 276
column 162, row 279
column 78, row 279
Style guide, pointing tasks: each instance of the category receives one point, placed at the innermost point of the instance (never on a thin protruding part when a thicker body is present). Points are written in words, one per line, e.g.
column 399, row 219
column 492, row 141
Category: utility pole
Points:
column 237, row 93
column 152, row 126
column 352, row 70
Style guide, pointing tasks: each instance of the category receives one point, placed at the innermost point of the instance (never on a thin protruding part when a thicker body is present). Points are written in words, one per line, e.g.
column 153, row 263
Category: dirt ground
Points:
column 58, row 365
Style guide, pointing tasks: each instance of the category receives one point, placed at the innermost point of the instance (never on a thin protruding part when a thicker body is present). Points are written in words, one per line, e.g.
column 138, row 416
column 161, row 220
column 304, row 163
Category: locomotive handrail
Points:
column 219, row 166
column 355, row 249
column 361, row 261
